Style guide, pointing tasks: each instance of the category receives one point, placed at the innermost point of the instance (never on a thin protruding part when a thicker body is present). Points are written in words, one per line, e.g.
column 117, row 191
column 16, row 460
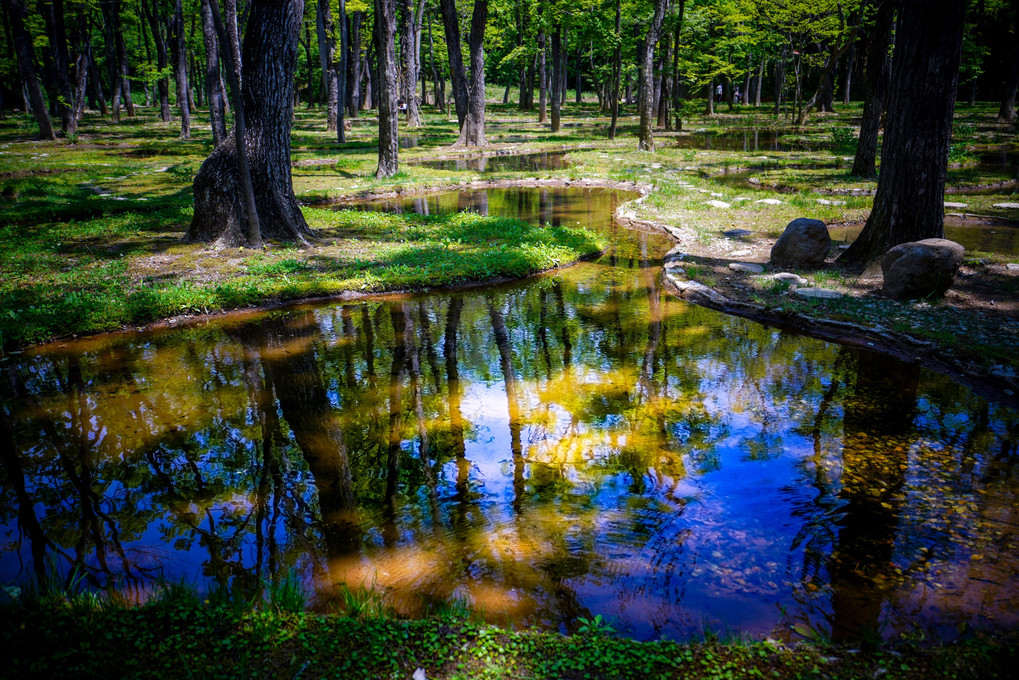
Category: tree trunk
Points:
column 847, row 82
column 758, row 83
column 156, row 25
column 388, row 88
column 53, row 14
column 26, row 67
column 340, row 68
column 647, row 141
column 354, row 65
column 1006, row 112
column 557, row 81
column 542, row 77
column 217, row 110
column 665, row 86
column 412, row 59
column 326, row 45
column 182, row 73
column 451, row 24
column 265, row 109
column 438, row 84
column 617, row 71
column 908, row 205
column 875, row 84
column 234, row 37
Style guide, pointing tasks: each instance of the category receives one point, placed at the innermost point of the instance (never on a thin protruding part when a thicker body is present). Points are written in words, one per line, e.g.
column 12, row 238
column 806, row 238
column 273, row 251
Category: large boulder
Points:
column 921, row 268
column 803, row 244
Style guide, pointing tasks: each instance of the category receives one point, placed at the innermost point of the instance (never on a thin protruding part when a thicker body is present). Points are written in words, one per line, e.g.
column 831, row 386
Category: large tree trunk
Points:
column 908, row 205
column 451, row 25
column 217, row 109
column 665, row 84
column 439, row 84
column 26, row 66
column 875, row 83
column 388, row 87
column 412, row 59
column 340, row 67
column 542, row 77
column 647, row 95
column 267, row 104
column 180, row 58
column 470, row 103
column 354, row 66
column 122, row 64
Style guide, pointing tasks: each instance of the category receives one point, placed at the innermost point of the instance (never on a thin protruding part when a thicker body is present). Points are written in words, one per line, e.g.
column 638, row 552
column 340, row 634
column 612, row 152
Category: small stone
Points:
column 817, row 293
column 703, row 191
column 747, row 267
column 1012, row 267
column 656, row 166
column 958, row 206
column 742, row 198
column 825, row 201
column 769, row 201
column 1007, row 206
column 790, row 278
column 718, row 204
column 715, row 194
column 741, row 253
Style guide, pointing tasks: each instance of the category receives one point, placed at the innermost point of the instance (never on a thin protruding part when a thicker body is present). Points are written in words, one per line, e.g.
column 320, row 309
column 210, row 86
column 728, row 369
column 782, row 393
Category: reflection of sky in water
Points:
column 671, row 468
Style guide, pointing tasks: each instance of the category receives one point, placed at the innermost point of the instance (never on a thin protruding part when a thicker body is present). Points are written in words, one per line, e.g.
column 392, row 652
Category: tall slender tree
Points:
column 26, row 66
column 213, row 78
column 388, row 80
column 875, row 86
column 647, row 96
column 470, row 98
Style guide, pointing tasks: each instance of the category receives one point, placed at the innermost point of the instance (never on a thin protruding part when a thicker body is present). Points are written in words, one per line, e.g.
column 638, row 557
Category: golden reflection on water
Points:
column 572, row 445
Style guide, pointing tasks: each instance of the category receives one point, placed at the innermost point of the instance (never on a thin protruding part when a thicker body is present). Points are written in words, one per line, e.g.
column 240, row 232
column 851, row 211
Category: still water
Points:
column 527, row 162
column 575, row 444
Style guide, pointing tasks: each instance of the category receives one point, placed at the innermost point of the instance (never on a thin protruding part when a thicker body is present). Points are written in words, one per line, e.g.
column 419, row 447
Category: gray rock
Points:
column 817, row 293
column 741, row 253
column 769, row 201
column 1007, row 206
column 747, row 267
column 1012, row 266
column 718, row 204
column 958, row 206
column 676, row 253
column 921, row 268
column 804, row 243
column 825, row 201
column 790, row 278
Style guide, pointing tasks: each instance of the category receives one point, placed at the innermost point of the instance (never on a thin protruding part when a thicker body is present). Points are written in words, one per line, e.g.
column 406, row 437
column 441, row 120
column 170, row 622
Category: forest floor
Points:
column 91, row 235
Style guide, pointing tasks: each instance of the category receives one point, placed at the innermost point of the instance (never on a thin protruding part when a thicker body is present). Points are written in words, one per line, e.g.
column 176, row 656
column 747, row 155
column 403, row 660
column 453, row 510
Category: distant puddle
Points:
column 743, row 140
column 973, row 235
column 529, row 162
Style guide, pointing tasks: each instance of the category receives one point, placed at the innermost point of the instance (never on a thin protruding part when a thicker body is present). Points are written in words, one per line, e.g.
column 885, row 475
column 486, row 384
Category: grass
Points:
column 179, row 635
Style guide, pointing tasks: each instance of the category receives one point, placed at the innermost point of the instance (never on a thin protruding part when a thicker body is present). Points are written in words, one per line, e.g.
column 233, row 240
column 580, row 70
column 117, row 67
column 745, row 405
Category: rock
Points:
column 718, row 204
column 747, row 267
column 1007, row 206
column 1012, row 267
column 790, row 278
column 769, row 201
column 675, row 268
column 817, row 293
column 737, row 233
column 804, row 243
column 741, row 253
column 676, row 253
column 825, row 201
column 715, row 194
column 742, row 198
column 957, row 206
column 921, row 268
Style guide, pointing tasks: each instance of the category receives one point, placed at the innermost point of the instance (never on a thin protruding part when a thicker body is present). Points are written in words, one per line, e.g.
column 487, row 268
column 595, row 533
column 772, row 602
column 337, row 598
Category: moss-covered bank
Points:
column 186, row 638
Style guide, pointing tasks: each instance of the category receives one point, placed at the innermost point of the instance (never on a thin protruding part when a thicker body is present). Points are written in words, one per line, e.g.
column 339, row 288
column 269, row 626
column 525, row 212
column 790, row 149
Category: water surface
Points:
column 576, row 444
column 528, row 162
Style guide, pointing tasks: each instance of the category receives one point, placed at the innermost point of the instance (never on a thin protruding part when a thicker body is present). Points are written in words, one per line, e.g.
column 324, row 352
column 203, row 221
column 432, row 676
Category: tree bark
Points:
column 451, row 26
column 53, row 15
column 388, row 88
column 217, row 109
column 557, row 80
column 439, row 84
column 542, row 77
column 647, row 95
column 412, row 58
column 182, row 73
column 1006, row 112
column 340, row 67
column 470, row 103
column 326, row 45
column 150, row 9
column 354, row 65
column 26, row 67
column 265, row 110
column 875, row 83
column 908, row 205
column 617, row 70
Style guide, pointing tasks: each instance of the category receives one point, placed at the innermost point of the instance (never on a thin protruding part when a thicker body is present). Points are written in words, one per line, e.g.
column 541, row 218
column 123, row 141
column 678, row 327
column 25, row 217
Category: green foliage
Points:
column 596, row 625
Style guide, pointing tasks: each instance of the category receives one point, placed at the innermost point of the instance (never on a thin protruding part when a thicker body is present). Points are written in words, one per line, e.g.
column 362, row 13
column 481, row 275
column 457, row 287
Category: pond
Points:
column 521, row 162
column 744, row 140
column 574, row 444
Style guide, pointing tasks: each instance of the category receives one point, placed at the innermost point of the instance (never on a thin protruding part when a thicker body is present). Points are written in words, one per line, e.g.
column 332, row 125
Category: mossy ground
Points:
column 91, row 236
column 183, row 637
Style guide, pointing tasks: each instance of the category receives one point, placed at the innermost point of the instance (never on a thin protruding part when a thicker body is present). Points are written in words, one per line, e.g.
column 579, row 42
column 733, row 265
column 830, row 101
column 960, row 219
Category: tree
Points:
column 470, row 98
column 26, row 66
column 180, row 64
column 908, row 205
column 385, row 48
column 878, row 73
column 214, row 90
column 412, row 57
column 647, row 55
column 157, row 24
column 1006, row 112
column 264, row 108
